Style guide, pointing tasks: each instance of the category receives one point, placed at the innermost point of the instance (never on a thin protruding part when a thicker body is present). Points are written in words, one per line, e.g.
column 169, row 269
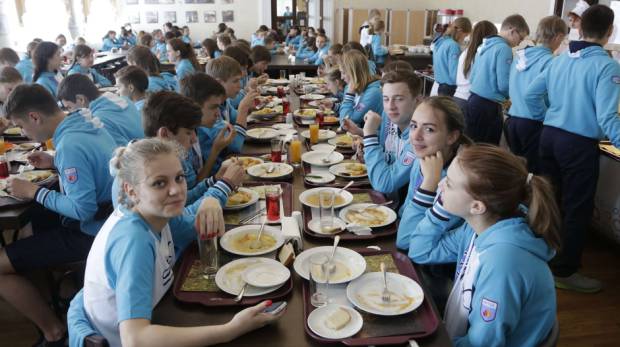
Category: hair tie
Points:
column 529, row 178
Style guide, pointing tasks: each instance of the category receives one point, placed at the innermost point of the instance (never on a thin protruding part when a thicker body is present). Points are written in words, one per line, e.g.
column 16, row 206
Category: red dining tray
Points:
column 218, row 298
column 422, row 322
column 340, row 182
column 376, row 197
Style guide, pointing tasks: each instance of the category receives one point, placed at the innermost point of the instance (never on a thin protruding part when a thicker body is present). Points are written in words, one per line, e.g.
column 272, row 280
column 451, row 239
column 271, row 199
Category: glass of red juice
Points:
column 4, row 167
column 320, row 116
column 280, row 92
column 286, row 106
column 257, row 102
column 276, row 150
column 272, row 198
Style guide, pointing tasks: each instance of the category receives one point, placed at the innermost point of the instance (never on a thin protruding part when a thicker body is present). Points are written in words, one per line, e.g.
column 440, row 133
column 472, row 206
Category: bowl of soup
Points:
column 242, row 240
column 310, row 197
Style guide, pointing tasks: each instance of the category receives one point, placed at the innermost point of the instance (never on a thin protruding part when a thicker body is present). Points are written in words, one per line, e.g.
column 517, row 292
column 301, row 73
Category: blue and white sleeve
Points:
column 504, row 62
column 384, row 177
column 220, row 191
column 607, row 95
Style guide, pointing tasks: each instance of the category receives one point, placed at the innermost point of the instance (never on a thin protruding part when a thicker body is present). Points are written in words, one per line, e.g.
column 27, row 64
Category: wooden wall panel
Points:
column 398, row 31
column 416, row 27
column 358, row 18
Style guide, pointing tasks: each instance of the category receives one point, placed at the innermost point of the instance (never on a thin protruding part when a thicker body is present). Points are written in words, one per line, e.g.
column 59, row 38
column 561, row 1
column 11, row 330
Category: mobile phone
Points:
column 275, row 308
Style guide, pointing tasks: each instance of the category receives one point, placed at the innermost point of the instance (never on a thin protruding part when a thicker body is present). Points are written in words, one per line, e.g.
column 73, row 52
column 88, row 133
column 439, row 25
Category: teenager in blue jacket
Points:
column 293, row 39
column 183, row 56
column 363, row 91
column 83, row 61
column 446, row 53
column 118, row 115
column 69, row 219
column 130, row 266
column 142, row 57
column 523, row 127
column 490, row 76
column 379, row 51
column 503, row 292
column 583, row 88
column 322, row 48
column 47, row 60
column 25, row 66
column 110, row 41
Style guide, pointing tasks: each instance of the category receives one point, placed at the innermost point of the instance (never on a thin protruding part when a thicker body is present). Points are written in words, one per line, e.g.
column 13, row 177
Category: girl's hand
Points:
column 212, row 218
column 253, row 318
column 431, row 167
column 351, row 127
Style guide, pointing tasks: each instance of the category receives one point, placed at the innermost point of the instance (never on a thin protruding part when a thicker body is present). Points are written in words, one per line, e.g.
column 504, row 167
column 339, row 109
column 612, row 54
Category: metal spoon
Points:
column 330, row 263
column 257, row 244
column 325, row 159
column 241, row 292
column 344, row 188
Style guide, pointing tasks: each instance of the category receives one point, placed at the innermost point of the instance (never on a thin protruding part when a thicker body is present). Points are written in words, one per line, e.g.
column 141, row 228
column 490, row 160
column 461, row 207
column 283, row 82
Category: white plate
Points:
column 266, row 275
column 281, row 126
column 274, row 89
column 365, row 294
column 315, row 158
column 316, row 322
column 310, row 113
column 273, row 112
column 277, row 82
column 353, row 261
column 245, row 161
column 390, row 215
column 348, row 197
column 323, row 147
column 262, row 134
column 334, row 142
column 324, row 135
column 312, row 97
column 228, row 277
column 25, row 146
column 326, row 177
column 285, row 132
column 340, row 170
column 231, row 235
column 260, row 171
column 14, row 131
column 315, row 225
column 252, row 201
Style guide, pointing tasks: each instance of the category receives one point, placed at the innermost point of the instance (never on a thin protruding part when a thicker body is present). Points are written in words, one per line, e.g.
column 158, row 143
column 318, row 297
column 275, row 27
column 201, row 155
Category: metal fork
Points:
column 385, row 294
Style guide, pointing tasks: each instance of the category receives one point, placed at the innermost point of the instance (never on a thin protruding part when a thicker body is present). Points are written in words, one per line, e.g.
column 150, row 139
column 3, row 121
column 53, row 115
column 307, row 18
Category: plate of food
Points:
column 242, row 198
column 337, row 226
column 229, row 277
column 316, row 158
column 281, row 126
column 349, row 170
column 324, row 135
column 315, row 80
column 262, row 134
column 310, row 97
column 267, row 112
column 35, row 176
column 246, row 162
column 14, row 131
column 274, row 90
column 330, row 120
column 266, row 275
column 365, row 293
column 320, row 177
column 335, row 321
column 277, row 82
column 327, row 102
column 241, row 240
column 349, row 264
column 310, row 197
column 26, row 146
column 344, row 141
column 368, row 215
column 270, row 170
column 268, row 101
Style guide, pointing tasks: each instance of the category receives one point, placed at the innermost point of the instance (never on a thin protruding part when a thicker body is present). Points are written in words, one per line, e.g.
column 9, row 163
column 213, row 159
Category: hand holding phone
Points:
column 275, row 308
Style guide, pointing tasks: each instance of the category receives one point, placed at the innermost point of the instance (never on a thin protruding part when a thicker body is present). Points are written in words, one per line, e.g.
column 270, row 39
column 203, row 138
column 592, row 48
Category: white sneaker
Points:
column 578, row 283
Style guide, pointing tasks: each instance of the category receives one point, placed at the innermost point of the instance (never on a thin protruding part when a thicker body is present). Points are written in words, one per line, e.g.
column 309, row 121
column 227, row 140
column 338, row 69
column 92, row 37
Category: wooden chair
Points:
column 56, row 276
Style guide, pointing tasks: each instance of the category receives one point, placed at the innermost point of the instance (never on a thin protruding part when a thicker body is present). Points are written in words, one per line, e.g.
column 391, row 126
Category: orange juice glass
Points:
column 295, row 151
column 314, row 133
column 2, row 145
column 49, row 145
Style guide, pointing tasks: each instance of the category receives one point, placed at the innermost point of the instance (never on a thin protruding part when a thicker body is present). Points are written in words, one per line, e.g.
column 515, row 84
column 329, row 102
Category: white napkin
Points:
column 291, row 230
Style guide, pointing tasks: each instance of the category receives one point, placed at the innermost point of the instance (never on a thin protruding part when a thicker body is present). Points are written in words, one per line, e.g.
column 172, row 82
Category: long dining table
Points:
column 289, row 330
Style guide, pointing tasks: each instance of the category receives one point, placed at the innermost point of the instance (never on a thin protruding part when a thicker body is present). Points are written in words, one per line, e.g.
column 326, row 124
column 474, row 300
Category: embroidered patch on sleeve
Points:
column 71, row 175
column 488, row 310
column 615, row 79
column 408, row 158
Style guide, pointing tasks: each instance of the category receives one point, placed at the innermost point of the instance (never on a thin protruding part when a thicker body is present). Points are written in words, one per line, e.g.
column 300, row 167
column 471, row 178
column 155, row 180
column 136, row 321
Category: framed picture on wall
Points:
column 210, row 17
column 190, row 1
column 191, row 16
column 226, row 2
column 131, row 2
column 134, row 18
column 152, row 17
column 228, row 16
column 170, row 16
column 166, row 2
column 205, row 1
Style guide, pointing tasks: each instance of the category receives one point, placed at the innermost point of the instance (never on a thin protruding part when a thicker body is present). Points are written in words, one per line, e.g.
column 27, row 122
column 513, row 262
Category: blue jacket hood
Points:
column 81, row 121
column 584, row 49
column 528, row 56
column 516, row 232
column 489, row 42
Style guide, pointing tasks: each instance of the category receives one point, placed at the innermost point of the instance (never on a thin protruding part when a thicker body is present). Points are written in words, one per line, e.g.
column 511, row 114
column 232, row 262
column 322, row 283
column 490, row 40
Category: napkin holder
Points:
column 291, row 230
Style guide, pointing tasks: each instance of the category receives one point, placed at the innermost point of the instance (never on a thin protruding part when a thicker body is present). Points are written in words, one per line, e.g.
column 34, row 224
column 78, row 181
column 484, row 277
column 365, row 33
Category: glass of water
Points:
column 317, row 272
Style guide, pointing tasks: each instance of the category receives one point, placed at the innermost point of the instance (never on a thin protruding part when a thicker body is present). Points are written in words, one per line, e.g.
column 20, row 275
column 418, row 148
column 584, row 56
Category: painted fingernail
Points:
column 268, row 303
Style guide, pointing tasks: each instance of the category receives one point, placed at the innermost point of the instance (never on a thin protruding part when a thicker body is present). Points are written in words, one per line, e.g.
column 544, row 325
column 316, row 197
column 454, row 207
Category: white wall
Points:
column 248, row 16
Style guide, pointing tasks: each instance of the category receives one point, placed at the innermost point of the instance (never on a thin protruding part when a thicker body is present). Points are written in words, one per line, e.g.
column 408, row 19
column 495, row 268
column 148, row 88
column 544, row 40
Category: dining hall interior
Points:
column 309, row 172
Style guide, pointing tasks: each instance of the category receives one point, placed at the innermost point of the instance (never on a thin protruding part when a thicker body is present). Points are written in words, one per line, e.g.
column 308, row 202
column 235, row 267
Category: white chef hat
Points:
column 580, row 8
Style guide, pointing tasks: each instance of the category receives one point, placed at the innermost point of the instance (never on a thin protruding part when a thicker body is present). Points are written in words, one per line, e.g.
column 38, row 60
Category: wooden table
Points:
column 281, row 62
column 289, row 330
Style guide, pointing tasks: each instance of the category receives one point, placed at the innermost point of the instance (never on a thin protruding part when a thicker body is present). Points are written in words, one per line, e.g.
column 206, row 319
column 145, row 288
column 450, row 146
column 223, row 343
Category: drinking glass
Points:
column 316, row 275
column 209, row 257
column 326, row 209
column 272, row 201
column 282, row 74
column 276, row 150
column 314, row 133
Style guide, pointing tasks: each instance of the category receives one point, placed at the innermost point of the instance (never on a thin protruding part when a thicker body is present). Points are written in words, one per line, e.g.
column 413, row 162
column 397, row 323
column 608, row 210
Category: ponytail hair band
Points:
column 529, row 178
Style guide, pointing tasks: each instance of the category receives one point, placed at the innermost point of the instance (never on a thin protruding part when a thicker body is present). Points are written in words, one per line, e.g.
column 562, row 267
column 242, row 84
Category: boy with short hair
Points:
column 490, row 77
column 261, row 58
column 8, row 57
column 9, row 79
column 387, row 151
column 583, row 88
column 522, row 128
column 83, row 152
column 119, row 116
column 132, row 83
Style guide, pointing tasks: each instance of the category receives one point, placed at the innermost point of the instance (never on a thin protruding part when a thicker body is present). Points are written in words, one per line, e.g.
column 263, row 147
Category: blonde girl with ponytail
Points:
column 503, row 293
